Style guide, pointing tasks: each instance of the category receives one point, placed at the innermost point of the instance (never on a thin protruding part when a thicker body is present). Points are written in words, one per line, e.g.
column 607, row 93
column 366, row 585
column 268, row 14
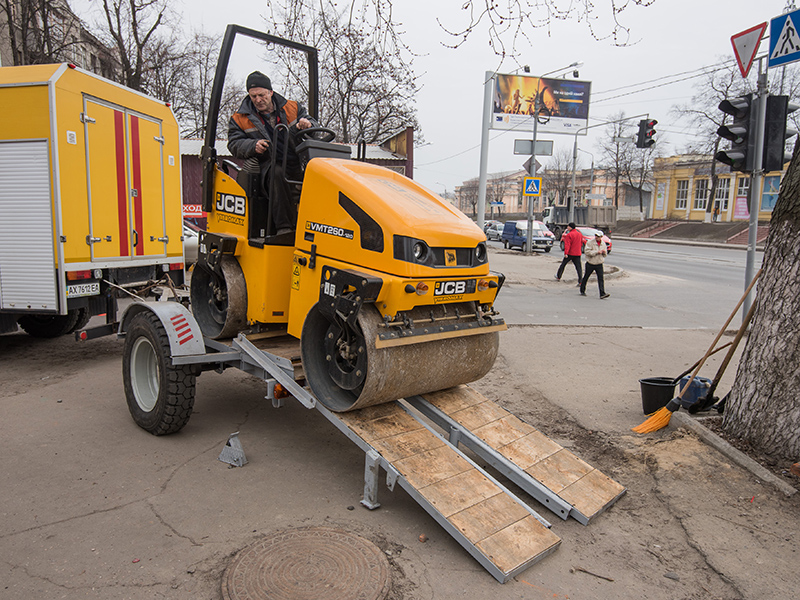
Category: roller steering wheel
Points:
column 329, row 134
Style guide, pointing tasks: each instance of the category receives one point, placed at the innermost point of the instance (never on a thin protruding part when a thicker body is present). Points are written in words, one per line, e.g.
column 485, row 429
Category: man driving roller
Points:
column 251, row 137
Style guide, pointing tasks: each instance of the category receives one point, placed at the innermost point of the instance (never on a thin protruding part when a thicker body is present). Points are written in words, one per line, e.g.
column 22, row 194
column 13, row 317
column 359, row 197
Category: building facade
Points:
column 683, row 188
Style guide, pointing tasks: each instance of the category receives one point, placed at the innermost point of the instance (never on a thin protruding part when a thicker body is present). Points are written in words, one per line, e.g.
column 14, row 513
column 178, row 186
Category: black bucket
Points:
column 656, row 392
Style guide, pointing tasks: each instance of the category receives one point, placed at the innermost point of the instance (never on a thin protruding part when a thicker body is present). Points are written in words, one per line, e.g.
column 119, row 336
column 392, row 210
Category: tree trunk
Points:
column 764, row 403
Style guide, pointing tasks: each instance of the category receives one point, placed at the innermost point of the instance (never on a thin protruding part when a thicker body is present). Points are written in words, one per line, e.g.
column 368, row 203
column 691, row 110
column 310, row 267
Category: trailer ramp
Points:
column 567, row 485
column 503, row 533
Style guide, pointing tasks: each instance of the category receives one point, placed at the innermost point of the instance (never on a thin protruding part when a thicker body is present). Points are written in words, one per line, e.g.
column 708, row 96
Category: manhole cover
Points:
column 308, row 563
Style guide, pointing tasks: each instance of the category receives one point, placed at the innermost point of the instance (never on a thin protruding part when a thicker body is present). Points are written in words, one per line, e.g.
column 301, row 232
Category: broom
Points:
column 660, row 418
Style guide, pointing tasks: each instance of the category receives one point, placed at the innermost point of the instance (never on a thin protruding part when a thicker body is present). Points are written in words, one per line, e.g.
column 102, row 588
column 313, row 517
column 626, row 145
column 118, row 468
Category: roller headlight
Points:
column 480, row 253
column 420, row 251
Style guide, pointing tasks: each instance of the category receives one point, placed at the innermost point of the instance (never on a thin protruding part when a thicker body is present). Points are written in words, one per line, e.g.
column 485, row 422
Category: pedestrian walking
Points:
column 596, row 252
column 572, row 251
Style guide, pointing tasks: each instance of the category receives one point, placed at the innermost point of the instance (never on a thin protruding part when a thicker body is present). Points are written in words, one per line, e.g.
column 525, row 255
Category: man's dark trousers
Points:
column 590, row 268
column 576, row 260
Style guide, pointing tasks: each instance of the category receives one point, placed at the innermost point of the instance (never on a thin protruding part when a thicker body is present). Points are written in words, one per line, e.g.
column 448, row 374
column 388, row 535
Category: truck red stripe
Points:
column 136, row 166
column 122, row 193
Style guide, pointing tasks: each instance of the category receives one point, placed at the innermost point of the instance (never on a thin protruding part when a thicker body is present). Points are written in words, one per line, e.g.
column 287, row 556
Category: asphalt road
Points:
column 655, row 285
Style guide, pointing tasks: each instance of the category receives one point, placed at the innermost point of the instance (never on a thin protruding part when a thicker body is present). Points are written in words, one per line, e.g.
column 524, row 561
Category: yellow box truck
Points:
column 90, row 197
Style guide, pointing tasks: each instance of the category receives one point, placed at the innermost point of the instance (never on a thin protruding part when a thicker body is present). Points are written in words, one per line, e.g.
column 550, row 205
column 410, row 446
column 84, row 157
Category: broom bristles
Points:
column 658, row 420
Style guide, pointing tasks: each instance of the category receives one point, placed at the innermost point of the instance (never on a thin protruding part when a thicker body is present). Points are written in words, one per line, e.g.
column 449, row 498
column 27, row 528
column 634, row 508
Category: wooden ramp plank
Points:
column 497, row 526
column 588, row 490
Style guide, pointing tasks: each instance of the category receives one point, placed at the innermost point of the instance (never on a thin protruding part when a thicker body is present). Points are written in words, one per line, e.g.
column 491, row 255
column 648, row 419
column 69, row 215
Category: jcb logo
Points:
column 234, row 205
column 449, row 288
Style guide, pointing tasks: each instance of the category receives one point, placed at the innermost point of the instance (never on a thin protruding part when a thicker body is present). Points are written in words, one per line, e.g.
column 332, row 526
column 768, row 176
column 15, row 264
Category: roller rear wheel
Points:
column 160, row 395
column 220, row 303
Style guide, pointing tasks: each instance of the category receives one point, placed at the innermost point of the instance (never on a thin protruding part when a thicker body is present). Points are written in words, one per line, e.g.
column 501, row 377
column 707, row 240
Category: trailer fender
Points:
column 185, row 336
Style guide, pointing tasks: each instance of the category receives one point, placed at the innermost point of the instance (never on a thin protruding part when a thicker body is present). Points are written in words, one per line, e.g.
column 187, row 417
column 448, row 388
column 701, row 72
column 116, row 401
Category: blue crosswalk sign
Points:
column 532, row 186
column 784, row 39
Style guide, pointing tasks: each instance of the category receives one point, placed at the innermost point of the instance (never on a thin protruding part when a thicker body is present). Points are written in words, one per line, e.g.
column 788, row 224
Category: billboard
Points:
column 564, row 103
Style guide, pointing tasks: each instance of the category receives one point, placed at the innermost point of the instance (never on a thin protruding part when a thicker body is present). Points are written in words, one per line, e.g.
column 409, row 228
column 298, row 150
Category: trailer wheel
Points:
column 48, row 326
column 160, row 395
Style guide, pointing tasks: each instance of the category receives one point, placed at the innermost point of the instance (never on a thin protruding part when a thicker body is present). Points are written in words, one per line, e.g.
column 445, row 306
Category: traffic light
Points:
column 741, row 133
column 776, row 133
column 644, row 139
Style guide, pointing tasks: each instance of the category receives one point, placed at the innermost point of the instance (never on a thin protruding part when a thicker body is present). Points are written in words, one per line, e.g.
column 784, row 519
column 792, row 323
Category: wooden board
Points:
column 494, row 523
column 588, row 490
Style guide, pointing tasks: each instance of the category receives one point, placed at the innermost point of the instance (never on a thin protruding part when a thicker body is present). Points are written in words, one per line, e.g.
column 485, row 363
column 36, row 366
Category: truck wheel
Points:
column 49, row 326
column 547, row 249
column 505, row 244
column 160, row 395
column 83, row 318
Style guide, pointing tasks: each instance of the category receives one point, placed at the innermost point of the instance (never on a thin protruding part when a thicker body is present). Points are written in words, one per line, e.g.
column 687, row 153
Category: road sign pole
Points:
column 755, row 184
column 529, row 237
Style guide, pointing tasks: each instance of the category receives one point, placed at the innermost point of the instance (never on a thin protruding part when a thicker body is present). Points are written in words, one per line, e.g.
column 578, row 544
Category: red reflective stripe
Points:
column 122, row 193
column 182, row 342
column 136, row 166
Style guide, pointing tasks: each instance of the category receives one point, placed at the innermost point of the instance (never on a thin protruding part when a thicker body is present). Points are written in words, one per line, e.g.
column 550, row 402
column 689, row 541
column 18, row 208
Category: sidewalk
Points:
column 95, row 508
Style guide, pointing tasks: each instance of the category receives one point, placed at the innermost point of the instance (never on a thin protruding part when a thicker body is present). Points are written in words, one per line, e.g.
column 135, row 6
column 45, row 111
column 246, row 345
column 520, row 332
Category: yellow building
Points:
column 683, row 185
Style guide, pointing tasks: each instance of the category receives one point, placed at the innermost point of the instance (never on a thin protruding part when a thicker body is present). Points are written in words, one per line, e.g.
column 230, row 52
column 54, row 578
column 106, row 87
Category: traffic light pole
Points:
column 755, row 185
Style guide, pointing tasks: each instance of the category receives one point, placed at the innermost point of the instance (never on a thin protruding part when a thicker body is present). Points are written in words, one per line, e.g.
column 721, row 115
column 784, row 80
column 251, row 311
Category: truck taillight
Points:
column 175, row 266
column 78, row 275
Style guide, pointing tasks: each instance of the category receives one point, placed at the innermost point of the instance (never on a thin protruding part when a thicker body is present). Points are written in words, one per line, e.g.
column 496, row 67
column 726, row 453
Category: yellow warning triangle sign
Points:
column 745, row 46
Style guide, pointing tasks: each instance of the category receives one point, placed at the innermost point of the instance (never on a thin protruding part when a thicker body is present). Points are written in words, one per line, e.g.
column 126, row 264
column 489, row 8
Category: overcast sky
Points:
column 670, row 38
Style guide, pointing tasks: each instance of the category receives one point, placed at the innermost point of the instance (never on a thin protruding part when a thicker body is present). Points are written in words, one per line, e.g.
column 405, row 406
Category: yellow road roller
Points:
column 386, row 286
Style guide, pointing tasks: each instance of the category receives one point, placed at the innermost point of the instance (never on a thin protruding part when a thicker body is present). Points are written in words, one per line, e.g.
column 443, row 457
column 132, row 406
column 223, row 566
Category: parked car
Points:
column 588, row 233
column 515, row 235
column 191, row 238
column 490, row 223
column 495, row 231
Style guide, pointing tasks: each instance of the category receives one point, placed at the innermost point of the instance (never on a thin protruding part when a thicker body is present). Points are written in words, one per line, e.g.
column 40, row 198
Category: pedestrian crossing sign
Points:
column 532, row 186
column 784, row 39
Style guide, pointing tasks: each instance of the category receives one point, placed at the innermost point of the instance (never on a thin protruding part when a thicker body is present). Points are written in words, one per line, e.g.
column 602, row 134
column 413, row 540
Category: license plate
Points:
column 77, row 290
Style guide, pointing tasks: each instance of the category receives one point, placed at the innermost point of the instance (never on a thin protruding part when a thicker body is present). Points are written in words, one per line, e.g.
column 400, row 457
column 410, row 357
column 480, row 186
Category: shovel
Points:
column 710, row 399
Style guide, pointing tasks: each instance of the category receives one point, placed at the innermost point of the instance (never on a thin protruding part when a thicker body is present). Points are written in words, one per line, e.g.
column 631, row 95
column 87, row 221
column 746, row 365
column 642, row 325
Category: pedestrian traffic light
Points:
column 776, row 132
column 644, row 139
column 741, row 133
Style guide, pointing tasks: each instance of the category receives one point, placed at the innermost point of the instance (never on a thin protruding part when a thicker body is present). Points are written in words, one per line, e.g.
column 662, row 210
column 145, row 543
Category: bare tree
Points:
column 40, row 31
column 704, row 116
column 557, row 175
column 612, row 150
column 497, row 188
column 468, row 194
column 130, row 27
column 366, row 85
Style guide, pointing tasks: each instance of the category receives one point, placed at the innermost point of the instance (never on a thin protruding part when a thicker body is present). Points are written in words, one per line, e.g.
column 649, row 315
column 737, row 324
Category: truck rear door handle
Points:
column 92, row 240
column 164, row 239
column 135, row 238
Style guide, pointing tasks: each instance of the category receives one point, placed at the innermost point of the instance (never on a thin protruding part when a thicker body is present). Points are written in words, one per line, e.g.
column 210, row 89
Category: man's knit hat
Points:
column 258, row 79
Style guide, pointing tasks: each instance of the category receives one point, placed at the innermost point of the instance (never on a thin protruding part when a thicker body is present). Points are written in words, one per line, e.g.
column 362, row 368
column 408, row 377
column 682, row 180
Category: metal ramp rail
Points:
column 503, row 533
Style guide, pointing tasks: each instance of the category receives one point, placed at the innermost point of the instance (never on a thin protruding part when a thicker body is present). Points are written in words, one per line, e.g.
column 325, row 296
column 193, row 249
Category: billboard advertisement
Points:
column 564, row 103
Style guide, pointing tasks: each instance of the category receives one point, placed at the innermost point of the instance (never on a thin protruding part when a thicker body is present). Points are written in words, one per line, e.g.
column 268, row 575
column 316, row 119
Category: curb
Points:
column 683, row 242
column 736, row 456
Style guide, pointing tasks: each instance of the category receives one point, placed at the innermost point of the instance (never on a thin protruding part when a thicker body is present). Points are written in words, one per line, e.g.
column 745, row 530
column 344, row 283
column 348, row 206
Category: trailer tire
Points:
column 160, row 395
column 48, row 326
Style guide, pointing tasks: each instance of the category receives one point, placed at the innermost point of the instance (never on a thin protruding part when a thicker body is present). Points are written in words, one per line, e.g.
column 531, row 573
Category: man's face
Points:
column 261, row 97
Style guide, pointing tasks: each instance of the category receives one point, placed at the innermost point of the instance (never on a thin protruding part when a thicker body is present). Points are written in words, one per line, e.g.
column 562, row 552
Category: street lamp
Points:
column 591, row 177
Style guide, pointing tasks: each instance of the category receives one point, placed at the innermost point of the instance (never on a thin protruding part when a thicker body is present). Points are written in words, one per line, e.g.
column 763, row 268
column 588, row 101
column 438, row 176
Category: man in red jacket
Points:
column 572, row 251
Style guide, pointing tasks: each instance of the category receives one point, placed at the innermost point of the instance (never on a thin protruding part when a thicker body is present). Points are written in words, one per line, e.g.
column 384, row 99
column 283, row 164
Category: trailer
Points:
column 90, row 198
column 418, row 442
